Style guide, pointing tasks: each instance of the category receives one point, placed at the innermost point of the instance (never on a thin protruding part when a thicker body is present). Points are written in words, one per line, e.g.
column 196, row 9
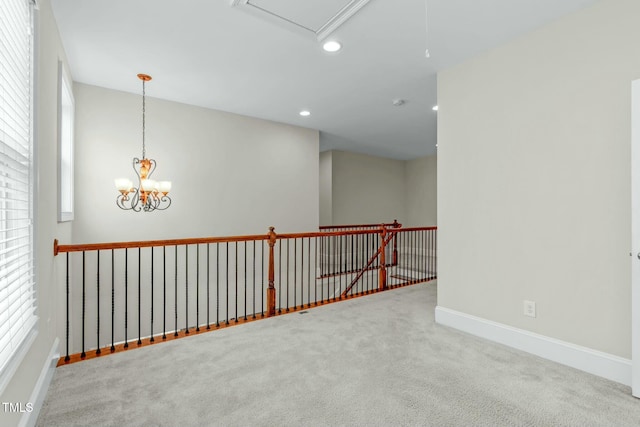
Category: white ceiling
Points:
column 212, row 54
column 310, row 16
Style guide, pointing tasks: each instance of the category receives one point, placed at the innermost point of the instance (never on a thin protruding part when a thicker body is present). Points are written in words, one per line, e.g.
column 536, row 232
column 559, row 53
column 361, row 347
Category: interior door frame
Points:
column 635, row 238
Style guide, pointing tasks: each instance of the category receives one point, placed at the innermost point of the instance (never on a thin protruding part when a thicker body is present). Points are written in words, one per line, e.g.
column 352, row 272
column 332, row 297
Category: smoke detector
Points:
column 398, row 102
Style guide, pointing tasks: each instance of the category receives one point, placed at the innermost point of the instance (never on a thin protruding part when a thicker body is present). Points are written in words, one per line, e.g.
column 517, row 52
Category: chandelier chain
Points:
column 143, row 120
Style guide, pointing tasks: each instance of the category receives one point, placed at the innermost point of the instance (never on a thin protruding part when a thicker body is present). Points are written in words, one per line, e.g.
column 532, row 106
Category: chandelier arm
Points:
column 136, row 162
column 151, row 204
column 153, row 167
column 161, row 201
column 120, row 202
column 135, row 200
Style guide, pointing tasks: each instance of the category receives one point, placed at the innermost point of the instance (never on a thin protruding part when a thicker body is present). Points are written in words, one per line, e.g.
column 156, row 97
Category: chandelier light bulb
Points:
column 164, row 186
column 148, row 185
column 123, row 184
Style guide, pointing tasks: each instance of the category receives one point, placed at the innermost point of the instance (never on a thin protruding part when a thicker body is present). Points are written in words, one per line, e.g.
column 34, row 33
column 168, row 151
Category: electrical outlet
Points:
column 529, row 308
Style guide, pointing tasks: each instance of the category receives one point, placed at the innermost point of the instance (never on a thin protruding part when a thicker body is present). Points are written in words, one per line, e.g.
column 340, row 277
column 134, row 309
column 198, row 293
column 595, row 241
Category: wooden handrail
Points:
column 328, row 233
column 57, row 248
column 394, row 224
column 351, row 232
column 402, row 230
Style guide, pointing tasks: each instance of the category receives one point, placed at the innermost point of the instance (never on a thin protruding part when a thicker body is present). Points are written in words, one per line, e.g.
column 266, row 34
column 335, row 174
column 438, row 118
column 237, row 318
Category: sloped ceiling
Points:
column 317, row 19
column 216, row 54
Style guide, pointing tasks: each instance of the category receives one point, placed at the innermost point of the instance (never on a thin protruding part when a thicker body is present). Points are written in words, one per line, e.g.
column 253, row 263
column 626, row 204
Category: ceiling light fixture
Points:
column 332, row 46
column 435, row 108
column 150, row 195
column 305, row 113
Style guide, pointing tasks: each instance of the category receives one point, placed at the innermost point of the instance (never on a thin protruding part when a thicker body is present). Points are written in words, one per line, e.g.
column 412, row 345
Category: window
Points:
column 66, row 111
column 17, row 284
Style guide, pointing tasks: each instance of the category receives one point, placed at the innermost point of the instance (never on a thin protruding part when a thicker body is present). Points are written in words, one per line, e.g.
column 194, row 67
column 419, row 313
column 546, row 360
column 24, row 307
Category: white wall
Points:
column 367, row 189
column 357, row 189
column 533, row 179
column 232, row 175
column 421, row 191
column 326, row 196
column 48, row 275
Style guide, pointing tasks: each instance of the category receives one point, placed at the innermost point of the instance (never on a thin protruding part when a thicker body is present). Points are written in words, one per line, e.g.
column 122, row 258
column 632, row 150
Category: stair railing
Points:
column 143, row 292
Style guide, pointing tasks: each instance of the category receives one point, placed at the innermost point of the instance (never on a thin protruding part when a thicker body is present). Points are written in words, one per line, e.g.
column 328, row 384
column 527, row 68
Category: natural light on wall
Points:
column 66, row 112
column 17, row 286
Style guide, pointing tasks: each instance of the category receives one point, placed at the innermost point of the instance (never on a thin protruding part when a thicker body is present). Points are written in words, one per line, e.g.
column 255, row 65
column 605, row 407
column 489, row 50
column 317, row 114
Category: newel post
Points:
column 396, row 225
column 382, row 279
column 271, row 290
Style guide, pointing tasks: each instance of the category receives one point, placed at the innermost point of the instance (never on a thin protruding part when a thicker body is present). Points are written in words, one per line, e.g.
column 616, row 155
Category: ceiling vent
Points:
column 317, row 19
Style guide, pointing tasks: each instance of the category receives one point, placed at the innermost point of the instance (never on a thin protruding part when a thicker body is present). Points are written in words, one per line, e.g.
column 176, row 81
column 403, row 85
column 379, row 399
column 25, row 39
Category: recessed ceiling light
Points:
column 332, row 46
column 435, row 108
column 305, row 113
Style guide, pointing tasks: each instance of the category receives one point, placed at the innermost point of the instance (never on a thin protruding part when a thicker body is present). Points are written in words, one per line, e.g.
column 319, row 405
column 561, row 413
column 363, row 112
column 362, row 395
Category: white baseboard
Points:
column 592, row 361
column 42, row 385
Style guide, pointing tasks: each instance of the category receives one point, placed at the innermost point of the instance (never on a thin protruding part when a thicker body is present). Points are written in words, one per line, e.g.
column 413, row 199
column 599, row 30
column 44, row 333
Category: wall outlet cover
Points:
column 529, row 308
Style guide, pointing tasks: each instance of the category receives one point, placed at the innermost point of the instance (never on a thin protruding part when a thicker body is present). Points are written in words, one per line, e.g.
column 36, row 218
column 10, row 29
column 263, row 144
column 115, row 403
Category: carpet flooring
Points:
column 378, row 360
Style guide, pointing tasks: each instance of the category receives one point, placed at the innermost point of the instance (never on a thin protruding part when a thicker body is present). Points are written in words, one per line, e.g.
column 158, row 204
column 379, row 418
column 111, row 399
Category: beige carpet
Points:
column 373, row 361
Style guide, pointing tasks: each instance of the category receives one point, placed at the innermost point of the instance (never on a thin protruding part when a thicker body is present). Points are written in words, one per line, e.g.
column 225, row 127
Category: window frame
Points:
column 66, row 145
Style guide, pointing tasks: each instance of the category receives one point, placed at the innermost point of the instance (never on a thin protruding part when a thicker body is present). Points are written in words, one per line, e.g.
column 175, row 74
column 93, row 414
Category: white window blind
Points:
column 17, row 284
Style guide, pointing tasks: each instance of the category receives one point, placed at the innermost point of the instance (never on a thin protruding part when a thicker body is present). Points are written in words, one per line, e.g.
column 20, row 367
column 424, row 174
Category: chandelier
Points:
column 149, row 195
